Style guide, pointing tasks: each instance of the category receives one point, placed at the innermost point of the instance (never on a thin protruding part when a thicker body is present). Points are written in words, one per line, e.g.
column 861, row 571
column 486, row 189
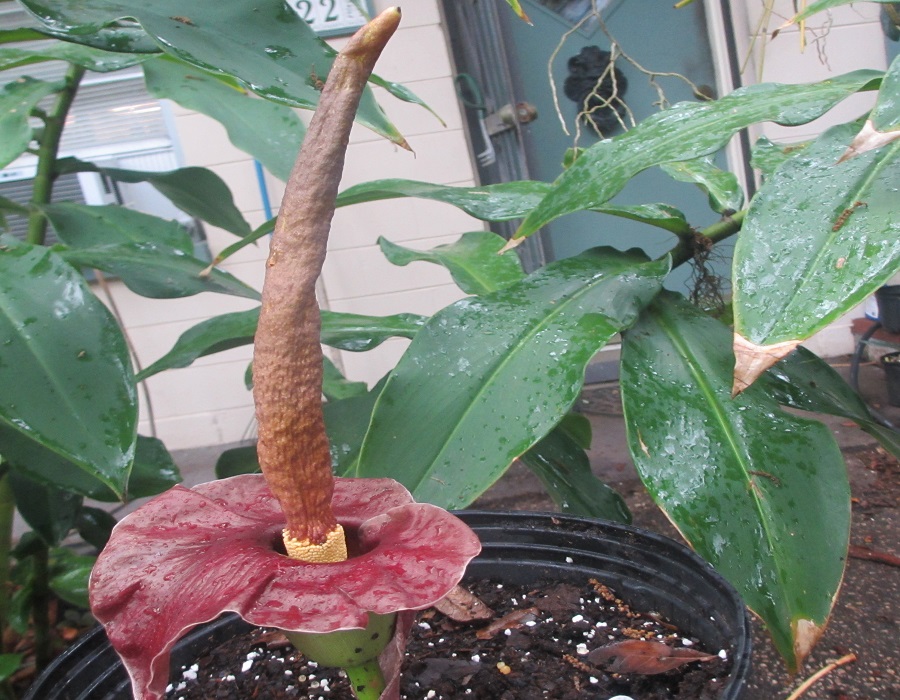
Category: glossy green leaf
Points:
column 196, row 191
column 767, row 156
column 154, row 257
column 13, row 36
column 214, row 335
column 472, row 261
column 822, row 5
column 487, row 377
column 803, row 380
column 95, row 526
column 353, row 332
column 151, row 473
column 154, row 470
column 237, row 460
column 9, row 664
column 502, row 201
column 685, row 131
column 49, row 511
column 124, row 37
column 9, row 205
column 335, row 386
column 264, row 44
column 84, row 56
column 499, row 202
column 346, row 422
column 358, row 333
column 270, row 132
column 158, row 271
column 761, row 494
column 886, row 113
column 17, row 99
column 260, row 231
column 565, row 471
column 820, row 237
column 722, row 187
column 69, row 576
column 86, row 226
column 65, row 374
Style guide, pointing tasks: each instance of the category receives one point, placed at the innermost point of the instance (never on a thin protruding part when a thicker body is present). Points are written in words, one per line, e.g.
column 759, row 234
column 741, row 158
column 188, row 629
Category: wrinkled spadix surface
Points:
column 191, row 554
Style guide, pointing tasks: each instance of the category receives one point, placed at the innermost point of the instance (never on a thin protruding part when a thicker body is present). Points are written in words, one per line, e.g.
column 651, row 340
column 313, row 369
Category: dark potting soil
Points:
column 537, row 645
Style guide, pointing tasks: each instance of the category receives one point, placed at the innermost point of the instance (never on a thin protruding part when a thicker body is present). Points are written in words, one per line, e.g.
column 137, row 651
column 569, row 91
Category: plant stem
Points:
column 719, row 231
column 366, row 680
column 40, row 606
column 54, row 122
column 7, row 511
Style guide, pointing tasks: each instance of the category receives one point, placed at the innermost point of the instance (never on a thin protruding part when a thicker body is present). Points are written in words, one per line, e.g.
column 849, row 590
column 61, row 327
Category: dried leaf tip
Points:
column 751, row 360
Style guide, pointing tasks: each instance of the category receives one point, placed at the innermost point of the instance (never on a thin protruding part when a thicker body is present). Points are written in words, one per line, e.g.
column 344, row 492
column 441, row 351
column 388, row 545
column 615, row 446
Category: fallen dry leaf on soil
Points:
column 636, row 656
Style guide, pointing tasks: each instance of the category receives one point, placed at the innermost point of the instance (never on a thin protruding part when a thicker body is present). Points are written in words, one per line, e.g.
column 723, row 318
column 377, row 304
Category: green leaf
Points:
column 214, row 335
column 346, row 422
column 86, row 226
column 353, row 332
column 150, row 474
column 95, row 526
column 17, row 99
column 264, row 44
column 238, row 460
column 49, row 511
column 157, row 271
column 685, row 131
column 84, row 56
column 9, row 664
column 722, row 187
column 335, row 386
column 820, row 237
column 69, row 576
column 768, row 156
column 264, row 229
column 499, row 202
column 154, row 470
column 886, row 113
column 565, row 471
column 270, row 132
column 804, row 381
column 821, row 6
column 502, row 201
column 358, row 333
column 195, row 191
column 487, row 377
column 761, row 494
column 151, row 255
column 65, row 375
column 473, row 261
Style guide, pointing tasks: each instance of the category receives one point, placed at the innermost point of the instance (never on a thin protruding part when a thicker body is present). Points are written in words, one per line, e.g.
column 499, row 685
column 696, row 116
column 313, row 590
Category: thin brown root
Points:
column 824, row 671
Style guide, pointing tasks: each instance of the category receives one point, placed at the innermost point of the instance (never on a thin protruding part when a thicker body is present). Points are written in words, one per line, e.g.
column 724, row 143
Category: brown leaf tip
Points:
column 751, row 360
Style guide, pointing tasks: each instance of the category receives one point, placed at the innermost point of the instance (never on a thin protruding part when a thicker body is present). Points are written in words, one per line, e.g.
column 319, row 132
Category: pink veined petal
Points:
column 191, row 554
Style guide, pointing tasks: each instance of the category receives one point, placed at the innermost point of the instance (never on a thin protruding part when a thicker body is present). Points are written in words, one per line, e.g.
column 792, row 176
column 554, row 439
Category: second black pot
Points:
column 646, row 570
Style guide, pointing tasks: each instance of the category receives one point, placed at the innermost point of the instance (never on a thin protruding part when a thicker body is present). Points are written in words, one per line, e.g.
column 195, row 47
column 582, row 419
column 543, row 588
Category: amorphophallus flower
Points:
column 274, row 548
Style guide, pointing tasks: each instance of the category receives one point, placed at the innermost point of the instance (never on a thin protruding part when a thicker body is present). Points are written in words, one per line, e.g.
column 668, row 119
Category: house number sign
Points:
column 332, row 17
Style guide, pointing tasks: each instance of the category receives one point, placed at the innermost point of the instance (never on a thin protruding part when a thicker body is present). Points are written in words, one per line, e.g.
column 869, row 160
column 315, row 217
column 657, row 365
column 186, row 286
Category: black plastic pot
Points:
column 646, row 570
column 891, row 365
column 888, row 298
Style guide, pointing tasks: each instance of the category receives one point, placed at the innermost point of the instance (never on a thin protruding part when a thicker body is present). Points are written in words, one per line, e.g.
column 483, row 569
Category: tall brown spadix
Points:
column 287, row 364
